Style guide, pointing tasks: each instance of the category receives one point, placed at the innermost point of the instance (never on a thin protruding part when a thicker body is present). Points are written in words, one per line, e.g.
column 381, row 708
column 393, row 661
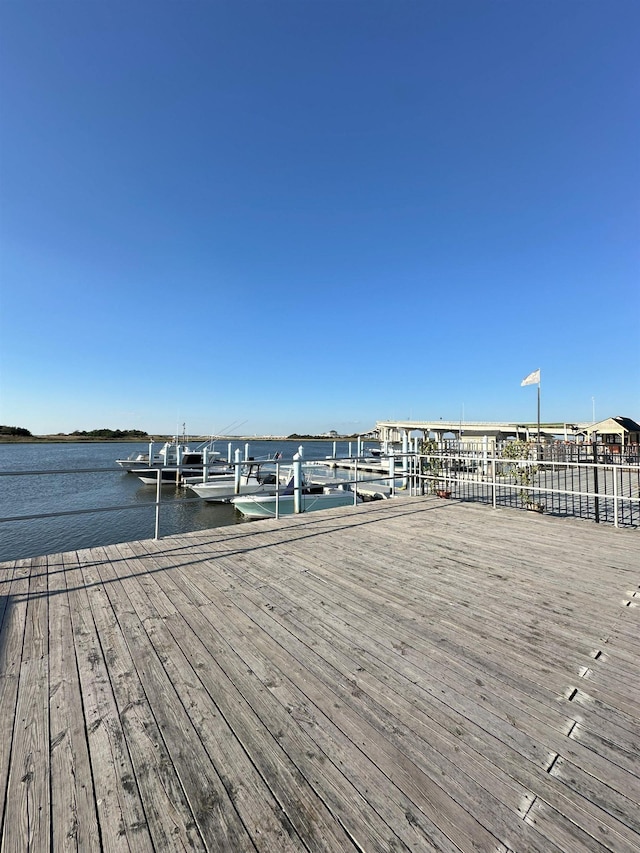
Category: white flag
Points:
column 532, row 378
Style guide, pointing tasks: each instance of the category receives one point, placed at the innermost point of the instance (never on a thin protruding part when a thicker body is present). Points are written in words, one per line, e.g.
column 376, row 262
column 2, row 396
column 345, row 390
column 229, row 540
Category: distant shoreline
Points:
column 194, row 439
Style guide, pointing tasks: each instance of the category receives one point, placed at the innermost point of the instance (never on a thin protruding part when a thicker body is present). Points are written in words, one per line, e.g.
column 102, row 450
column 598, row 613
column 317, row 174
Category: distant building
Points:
column 617, row 432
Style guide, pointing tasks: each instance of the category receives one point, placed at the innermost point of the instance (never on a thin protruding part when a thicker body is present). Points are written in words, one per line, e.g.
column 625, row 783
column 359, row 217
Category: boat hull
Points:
column 169, row 476
column 222, row 489
column 264, row 506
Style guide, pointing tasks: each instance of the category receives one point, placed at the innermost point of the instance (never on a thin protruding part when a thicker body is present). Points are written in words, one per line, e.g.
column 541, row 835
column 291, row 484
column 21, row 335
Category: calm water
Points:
column 47, row 493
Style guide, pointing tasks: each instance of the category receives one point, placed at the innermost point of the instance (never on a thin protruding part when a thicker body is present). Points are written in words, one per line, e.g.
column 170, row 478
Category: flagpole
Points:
column 538, row 413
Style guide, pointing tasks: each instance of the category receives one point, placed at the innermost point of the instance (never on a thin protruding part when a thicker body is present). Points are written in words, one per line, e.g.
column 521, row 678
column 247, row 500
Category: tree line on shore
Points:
column 111, row 433
column 21, row 432
column 17, row 431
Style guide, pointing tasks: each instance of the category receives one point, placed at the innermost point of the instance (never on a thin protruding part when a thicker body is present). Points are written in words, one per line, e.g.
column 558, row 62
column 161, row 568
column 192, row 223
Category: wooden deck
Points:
column 412, row 674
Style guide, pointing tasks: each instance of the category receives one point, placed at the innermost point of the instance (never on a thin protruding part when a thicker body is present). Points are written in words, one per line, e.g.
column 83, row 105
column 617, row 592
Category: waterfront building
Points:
column 616, row 433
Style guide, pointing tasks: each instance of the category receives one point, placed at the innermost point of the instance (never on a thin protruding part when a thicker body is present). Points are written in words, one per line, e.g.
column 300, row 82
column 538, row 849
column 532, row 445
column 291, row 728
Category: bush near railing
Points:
column 522, row 470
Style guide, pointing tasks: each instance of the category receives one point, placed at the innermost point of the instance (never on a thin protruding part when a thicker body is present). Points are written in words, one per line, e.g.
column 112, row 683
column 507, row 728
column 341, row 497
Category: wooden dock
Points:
column 405, row 675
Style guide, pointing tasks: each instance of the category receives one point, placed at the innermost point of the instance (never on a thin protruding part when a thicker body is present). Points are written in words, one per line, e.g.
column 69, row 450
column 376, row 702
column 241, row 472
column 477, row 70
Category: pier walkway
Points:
column 405, row 675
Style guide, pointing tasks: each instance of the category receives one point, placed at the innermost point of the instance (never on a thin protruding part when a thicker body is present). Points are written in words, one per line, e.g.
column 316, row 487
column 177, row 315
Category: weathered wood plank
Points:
column 74, row 819
column 562, row 832
column 250, row 795
column 171, row 822
column 15, row 590
column 251, row 705
column 6, row 576
column 213, row 809
column 121, row 818
column 26, row 824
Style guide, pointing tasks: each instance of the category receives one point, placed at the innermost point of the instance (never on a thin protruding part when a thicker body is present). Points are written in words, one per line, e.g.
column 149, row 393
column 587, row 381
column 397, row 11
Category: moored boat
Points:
column 191, row 467
column 168, row 455
column 264, row 506
column 165, row 456
column 253, row 480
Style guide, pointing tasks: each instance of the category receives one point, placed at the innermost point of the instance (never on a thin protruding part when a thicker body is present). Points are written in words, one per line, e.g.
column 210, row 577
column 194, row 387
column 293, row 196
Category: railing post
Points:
column 595, row 482
column 615, row 496
column 236, row 474
column 415, row 468
column 355, row 484
column 494, row 465
column 179, row 463
column 412, row 479
column 392, row 475
column 158, row 499
column 277, row 490
column 297, row 482
column 405, row 459
column 205, row 464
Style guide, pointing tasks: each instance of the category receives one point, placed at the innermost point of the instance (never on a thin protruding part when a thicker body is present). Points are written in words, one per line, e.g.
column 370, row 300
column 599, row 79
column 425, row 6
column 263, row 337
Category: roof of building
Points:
column 627, row 424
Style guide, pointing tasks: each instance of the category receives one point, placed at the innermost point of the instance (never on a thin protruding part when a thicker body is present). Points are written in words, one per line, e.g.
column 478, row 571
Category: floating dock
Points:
column 406, row 675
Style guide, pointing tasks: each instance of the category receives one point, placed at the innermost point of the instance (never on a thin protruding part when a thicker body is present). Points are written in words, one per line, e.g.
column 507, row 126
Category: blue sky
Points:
column 304, row 216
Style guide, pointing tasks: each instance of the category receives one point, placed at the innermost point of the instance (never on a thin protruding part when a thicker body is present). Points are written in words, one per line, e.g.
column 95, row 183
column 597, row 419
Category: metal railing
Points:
column 90, row 510
column 278, row 489
column 602, row 492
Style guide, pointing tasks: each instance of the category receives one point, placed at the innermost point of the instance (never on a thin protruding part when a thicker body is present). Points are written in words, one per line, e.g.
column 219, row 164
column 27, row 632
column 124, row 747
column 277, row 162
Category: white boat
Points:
column 190, row 469
column 264, row 506
column 253, row 480
column 165, row 457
